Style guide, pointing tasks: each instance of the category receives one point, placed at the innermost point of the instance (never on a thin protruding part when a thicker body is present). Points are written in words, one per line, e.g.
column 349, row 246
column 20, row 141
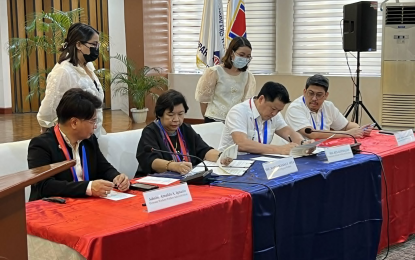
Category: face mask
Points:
column 239, row 62
column 93, row 54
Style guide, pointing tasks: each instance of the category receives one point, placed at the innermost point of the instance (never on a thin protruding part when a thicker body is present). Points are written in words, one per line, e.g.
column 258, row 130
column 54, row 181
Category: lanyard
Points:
column 265, row 135
column 183, row 147
column 68, row 156
column 312, row 119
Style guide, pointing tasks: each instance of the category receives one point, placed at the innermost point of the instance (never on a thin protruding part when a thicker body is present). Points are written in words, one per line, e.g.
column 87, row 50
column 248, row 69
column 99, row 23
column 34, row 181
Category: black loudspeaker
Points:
column 359, row 26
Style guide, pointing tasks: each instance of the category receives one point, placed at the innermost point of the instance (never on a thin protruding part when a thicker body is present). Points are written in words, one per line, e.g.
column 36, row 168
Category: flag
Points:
column 211, row 46
column 236, row 24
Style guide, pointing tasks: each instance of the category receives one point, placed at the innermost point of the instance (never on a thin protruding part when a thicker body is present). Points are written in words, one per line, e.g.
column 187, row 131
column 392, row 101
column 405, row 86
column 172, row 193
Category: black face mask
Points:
column 93, row 54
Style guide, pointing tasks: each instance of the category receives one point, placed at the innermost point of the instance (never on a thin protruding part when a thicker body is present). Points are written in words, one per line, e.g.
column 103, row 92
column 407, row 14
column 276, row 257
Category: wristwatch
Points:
column 303, row 141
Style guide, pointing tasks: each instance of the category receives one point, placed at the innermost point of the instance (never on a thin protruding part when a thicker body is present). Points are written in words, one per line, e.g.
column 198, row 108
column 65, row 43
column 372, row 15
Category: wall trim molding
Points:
column 6, row 110
column 194, row 121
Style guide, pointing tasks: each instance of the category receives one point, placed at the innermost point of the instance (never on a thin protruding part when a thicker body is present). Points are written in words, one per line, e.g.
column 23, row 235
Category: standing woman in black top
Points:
column 169, row 133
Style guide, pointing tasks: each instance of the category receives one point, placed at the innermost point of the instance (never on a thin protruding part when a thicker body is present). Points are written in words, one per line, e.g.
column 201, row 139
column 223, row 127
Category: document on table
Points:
column 115, row 195
column 277, row 155
column 307, row 149
column 230, row 152
column 157, row 180
column 233, row 164
column 264, row 159
column 222, row 170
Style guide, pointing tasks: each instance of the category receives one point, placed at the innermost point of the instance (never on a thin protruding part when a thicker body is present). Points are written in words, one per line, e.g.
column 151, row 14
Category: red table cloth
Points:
column 399, row 168
column 215, row 225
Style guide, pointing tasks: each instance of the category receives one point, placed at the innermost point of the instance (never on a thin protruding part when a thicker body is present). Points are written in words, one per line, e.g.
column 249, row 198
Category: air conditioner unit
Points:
column 398, row 66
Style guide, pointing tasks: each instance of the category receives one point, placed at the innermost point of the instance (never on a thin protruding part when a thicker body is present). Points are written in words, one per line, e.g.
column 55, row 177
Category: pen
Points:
column 289, row 138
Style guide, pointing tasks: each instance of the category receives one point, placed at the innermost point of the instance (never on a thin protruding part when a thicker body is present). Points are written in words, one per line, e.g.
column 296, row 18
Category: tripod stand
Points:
column 357, row 102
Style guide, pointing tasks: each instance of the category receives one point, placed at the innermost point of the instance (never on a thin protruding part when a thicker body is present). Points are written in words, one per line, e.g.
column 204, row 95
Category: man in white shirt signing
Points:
column 312, row 110
column 252, row 123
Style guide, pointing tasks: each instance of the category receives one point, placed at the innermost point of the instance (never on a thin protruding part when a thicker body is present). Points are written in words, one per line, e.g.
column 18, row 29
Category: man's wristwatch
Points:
column 219, row 155
column 303, row 141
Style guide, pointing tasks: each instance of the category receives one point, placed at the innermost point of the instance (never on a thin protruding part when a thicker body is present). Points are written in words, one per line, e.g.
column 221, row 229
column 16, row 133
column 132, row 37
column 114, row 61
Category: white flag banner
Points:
column 211, row 47
column 236, row 21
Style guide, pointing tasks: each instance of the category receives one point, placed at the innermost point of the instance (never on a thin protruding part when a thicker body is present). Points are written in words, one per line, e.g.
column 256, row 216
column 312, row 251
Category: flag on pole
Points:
column 211, row 46
column 236, row 24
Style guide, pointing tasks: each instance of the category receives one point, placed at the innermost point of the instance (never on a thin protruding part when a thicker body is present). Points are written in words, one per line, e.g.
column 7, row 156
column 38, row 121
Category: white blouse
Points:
column 222, row 91
column 63, row 77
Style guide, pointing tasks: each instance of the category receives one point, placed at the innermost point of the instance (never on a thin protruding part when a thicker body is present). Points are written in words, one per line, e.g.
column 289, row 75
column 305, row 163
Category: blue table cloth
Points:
column 324, row 211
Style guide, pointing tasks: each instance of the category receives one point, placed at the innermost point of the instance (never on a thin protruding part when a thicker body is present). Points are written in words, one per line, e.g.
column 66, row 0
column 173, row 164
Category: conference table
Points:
column 216, row 224
column 399, row 169
column 323, row 211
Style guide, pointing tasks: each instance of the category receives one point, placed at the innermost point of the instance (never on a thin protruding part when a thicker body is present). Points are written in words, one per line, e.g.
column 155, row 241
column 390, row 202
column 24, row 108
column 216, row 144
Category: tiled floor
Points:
column 18, row 127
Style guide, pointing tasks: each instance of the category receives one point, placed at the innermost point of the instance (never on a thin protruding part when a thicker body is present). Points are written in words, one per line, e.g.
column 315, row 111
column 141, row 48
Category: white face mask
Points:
column 240, row 62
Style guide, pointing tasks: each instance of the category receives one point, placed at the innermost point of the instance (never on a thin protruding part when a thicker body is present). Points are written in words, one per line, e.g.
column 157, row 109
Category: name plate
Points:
column 167, row 197
column 404, row 137
column 280, row 167
column 338, row 153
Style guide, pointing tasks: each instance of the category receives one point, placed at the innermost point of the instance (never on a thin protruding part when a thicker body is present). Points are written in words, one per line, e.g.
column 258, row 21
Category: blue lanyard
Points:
column 84, row 167
column 312, row 119
column 85, row 164
column 257, row 129
column 68, row 156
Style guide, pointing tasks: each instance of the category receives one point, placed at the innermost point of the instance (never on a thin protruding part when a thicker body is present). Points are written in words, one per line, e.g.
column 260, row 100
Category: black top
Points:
column 44, row 149
column 152, row 136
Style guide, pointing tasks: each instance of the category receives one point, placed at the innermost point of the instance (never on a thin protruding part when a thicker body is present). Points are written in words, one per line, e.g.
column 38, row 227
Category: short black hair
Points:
column 77, row 103
column 318, row 80
column 78, row 32
column 168, row 100
column 272, row 90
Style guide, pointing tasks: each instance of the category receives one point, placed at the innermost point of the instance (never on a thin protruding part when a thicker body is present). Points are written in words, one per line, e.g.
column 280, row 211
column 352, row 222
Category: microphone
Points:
column 197, row 178
column 355, row 147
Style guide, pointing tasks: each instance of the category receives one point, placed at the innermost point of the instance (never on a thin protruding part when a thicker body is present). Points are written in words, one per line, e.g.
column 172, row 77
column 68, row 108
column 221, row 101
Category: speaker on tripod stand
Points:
column 359, row 35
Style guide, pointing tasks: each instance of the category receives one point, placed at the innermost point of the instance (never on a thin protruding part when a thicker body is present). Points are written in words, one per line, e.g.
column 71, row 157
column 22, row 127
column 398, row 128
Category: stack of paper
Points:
column 304, row 150
column 236, row 167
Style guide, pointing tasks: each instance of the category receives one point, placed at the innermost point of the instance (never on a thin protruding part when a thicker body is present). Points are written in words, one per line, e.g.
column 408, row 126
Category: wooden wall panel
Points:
column 11, row 32
column 95, row 13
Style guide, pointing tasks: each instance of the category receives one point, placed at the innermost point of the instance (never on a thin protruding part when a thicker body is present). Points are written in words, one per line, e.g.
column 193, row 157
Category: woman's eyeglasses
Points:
column 92, row 45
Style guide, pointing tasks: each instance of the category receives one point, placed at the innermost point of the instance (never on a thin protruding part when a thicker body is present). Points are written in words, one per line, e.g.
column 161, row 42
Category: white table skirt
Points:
column 42, row 249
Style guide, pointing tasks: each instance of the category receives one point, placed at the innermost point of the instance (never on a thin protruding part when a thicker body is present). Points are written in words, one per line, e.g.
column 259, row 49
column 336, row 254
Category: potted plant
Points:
column 138, row 84
column 46, row 31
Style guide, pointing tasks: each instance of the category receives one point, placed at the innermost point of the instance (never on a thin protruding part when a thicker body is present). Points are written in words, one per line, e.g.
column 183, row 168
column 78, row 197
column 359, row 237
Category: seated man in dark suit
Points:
column 73, row 138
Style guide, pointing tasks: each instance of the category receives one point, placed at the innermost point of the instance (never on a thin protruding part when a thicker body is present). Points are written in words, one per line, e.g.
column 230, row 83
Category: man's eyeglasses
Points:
column 318, row 95
column 92, row 45
column 93, row 121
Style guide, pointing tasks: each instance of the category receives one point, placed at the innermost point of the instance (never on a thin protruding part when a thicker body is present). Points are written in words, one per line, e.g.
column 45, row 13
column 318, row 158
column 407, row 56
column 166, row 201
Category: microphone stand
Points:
column 355, row 147
column 198, row 178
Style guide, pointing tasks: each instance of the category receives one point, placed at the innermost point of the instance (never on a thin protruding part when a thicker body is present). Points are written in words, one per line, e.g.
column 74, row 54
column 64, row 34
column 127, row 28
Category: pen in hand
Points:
column 289, row 139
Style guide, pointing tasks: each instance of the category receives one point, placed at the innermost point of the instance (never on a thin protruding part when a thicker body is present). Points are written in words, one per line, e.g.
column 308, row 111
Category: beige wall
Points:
column 341, row 91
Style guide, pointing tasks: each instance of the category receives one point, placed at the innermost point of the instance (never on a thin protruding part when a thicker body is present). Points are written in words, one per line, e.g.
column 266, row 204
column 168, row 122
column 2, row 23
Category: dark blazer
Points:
column 151, row 136
column 44, row 150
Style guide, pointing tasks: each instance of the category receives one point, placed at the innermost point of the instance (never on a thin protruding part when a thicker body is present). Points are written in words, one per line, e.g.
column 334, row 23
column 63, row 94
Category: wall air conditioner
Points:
column 398, row 66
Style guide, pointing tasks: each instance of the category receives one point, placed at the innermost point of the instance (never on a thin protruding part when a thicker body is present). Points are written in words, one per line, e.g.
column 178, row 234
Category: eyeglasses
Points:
column 94, row 45
column 318, row 95
column 93, row 121
column 240, row 55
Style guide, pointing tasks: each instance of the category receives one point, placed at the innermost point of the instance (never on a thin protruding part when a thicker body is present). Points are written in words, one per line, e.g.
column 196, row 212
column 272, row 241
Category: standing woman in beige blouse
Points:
column 73, row 70
column 223, row 86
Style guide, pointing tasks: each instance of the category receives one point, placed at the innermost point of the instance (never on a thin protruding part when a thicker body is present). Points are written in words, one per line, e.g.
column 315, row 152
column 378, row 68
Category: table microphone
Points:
column 197, row 178
column 355, row 147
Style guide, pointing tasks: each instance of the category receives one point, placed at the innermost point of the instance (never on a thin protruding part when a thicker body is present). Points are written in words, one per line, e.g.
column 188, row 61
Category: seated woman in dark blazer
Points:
column 169, row 133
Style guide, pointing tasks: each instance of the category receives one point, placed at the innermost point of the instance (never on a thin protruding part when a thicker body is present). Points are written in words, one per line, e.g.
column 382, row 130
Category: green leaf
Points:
column 138, row 84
